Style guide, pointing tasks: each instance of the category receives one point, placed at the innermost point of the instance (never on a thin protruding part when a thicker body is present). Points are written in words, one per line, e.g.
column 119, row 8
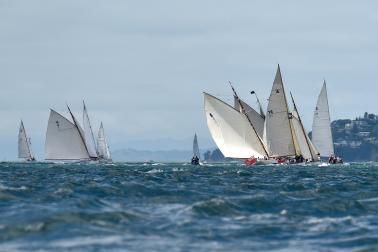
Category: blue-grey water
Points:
column 178, row 207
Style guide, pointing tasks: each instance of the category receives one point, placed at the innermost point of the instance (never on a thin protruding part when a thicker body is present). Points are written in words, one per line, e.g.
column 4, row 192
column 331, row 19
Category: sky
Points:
column 141, row 66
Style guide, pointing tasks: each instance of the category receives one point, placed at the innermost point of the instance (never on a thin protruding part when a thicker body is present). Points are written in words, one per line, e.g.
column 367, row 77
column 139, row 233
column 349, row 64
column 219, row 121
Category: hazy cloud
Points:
column 142, row 65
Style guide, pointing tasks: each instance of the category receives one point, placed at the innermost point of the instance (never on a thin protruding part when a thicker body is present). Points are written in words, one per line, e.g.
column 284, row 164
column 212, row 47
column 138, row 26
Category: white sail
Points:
column 302, row 140
column 24, row 144
column 303, row 143
column 278, row 133
column 321, row 126
column 88, row 134
column 314, row 151
column 102, row 144
column 231, row 130
column 63, row 140
column 196, row 151
column 256, row 118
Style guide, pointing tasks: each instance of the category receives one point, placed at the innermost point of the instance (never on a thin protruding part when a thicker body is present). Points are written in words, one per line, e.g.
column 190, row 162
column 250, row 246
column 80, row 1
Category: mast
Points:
column 302, row 127
column 253, row 127
column 77, row 127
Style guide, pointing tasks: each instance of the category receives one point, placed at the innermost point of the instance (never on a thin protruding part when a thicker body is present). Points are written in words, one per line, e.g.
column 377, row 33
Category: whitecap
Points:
column 283, row 212
column 324, row 224
column 34, row 227
column 177, row 169
column 87, row 241
column 63, row 191
column 155, row 171
column 368, row 200
column 21, row 188
column 323, row 165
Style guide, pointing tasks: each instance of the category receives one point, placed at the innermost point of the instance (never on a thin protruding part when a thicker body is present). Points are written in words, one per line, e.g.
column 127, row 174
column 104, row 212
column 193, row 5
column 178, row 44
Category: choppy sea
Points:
column 179, row 207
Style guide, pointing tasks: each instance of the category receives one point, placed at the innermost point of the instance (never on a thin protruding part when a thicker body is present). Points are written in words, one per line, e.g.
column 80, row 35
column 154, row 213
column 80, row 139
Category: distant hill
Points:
column 357, row 140
column 215, row 156
column 354, row 140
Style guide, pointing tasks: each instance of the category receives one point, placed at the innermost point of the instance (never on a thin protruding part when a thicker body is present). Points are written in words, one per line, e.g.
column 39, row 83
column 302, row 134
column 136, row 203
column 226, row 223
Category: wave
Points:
column 214, row 207
column 173, row 206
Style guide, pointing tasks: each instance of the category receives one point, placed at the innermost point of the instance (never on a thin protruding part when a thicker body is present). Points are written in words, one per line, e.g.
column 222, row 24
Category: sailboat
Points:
column 196, row 153
column 232, row 130
column 241, row 132
column 24, row 144
column 65, row 139
column 321, row 127
column 102, row 145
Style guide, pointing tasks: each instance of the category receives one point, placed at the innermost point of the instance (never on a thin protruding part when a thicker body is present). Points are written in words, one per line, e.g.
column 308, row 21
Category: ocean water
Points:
column 178, row 207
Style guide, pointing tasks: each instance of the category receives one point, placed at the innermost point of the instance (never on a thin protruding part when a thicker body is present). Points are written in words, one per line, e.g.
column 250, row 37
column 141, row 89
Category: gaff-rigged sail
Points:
column 102, row 145
column 321, row 126
column 231, row 130
column 64, row 140
column 24, row 144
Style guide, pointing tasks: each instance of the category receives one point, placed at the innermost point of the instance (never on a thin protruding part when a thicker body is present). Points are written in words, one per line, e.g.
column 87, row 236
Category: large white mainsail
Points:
column 256, row 118
column 24, row 144
column 102, row 145
column 88, row 134
column 231, row 130
column 278, row 132
column 64, row 140
column 196, row 151
column 321, row 126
